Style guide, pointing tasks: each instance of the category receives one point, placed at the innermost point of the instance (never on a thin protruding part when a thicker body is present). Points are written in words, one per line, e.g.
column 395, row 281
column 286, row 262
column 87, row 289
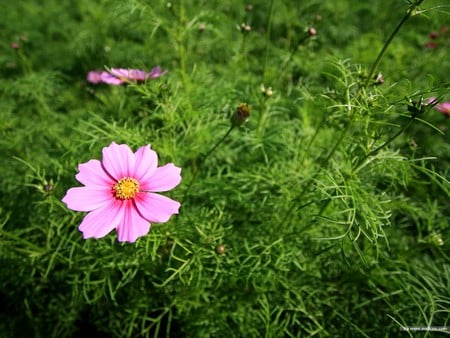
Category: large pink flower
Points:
column 119, row 192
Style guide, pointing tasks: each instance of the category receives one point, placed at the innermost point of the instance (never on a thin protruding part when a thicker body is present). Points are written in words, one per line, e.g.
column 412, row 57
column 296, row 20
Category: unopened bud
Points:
column 379, row 79
column 246, row 28
column 240, row 115
column 312, row 31
column 220, row 249
column 266, row 91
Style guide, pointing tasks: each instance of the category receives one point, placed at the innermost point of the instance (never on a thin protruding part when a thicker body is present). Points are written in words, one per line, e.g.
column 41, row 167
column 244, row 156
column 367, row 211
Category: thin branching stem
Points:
column 204, row 158
column 269, row 24
column 383, row 50
column 361, row 163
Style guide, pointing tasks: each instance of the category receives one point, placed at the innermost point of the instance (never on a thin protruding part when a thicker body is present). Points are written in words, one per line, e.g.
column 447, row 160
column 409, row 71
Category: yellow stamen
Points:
column 125, row 188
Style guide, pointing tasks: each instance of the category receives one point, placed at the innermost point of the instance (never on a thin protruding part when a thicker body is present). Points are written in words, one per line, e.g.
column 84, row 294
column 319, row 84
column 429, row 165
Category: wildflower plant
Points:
column 319, row 207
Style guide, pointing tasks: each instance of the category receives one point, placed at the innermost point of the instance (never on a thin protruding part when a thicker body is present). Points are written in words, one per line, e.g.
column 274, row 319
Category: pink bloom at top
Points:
column 119, row 192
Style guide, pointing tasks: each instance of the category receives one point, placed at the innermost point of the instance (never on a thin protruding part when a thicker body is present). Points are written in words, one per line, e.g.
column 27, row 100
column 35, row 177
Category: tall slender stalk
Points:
column 362, row 90
column 269, row 25
column 204, row 158
column 409, row 12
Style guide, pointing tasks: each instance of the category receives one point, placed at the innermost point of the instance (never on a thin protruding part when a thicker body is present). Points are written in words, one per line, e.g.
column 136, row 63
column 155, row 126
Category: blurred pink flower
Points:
column 443, row 107
column 118, row 76
column 119, row 193
column 94, row 77
column 108, row 78
column 430, row 44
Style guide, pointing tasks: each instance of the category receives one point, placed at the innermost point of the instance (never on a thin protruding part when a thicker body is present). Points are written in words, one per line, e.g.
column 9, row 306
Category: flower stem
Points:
column 269, row 24
column 409, row 12
column 362, row 162
column 204, row 160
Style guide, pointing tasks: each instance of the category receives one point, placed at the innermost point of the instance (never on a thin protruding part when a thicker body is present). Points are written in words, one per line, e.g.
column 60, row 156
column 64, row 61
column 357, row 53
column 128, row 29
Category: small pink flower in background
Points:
column 14, row 45
column 118, row 76
column 120, row 192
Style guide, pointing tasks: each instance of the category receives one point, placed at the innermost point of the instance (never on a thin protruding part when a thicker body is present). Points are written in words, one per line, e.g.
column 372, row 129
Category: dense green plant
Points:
column 325, row 214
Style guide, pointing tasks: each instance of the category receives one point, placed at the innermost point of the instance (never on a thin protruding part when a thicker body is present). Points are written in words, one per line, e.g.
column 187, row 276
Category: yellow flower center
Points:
column 126, row 188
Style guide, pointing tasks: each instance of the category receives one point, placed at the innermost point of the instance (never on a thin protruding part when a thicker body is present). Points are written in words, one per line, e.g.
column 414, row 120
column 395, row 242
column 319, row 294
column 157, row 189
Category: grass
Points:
column 325, row 214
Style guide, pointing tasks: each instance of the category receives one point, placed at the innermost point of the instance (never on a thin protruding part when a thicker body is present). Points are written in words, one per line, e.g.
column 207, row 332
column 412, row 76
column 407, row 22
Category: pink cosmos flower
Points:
column 118, row 76
column 119, row 193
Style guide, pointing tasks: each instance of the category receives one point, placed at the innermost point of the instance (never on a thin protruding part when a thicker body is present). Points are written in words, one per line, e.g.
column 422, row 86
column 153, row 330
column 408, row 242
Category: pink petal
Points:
column 87, row 198
column 110, row 79
column 94, row 77
column 163, row 179
column 155, row 207
column 118, row 160
column 98, row 223
column 120, row 72
column 92, row 173
column 132, row 225
column 138, row 75
column 146, row 161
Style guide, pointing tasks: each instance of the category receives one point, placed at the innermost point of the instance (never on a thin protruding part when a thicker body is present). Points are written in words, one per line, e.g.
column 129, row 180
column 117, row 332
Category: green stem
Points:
column 269, row 25
column 204, row 159
column 361, row 163
column 410, row 11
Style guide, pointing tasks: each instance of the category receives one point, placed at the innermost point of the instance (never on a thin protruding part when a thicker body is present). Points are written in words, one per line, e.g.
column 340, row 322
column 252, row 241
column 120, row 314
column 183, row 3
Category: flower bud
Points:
column 312, row 31
column 220, row 249
column 240, row 115
column 379, row 79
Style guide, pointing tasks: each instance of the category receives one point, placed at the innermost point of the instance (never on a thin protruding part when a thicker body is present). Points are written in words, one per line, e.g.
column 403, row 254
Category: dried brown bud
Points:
column 240, row 115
